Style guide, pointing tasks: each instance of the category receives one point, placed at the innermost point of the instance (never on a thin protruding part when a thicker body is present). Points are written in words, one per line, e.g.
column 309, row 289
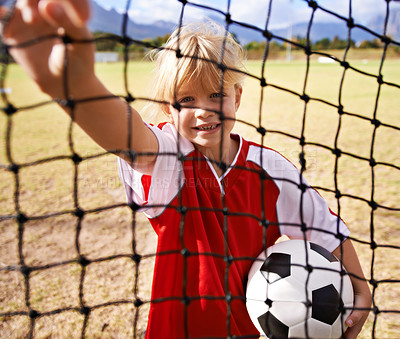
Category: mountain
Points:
column 111, row 21
column 393, row 26
column 321, row 30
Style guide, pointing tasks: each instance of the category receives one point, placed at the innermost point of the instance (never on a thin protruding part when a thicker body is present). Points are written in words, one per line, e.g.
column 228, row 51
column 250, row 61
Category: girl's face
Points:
column 198, row 119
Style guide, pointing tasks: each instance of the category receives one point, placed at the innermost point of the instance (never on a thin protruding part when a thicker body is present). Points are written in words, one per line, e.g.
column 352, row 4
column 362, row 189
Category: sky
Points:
column 283, row 12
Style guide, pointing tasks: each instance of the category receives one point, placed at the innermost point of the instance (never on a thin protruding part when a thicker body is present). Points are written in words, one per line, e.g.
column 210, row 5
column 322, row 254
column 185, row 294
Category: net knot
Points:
column 337, row 152
column 372, row 162
column 177, row 106
column 223, row 166
column 222, row 67
column 303, row 187
column 66, row 39
column 265, row 223
column 85, row 310
column 373, row 283
column 137, row 303
column 379, row 78
column 302, row 141
column 25, row 270
column 10, row 110
column 185, row 300
column 340, row 236
column 305, row 98
column 350, row 23
column 313, row 5
column 373, row 204
column 228, row 18
column 267, row 34
column 340, row 110
column 263, row 176
column 126, row 41
column 182, row 210
column 344, row 64
column 14, row 168
column 129, row 98
column 181, row 157
column 185, row 253
column 375, row 122
column 263, row 82
column 262, row 130
column 83, row 261
column 69, row 103
column 79, row 213
column 22, row 218
column 136, row 258
column 376, row 310
column 178, row 54
column 131, row 154
column 76, row 158
column 133, row 206
column 386, row 39
column 228, row 259
column 33, row 314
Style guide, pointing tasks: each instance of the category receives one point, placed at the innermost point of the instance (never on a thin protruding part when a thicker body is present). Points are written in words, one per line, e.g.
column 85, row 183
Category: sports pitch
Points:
column 47, row 187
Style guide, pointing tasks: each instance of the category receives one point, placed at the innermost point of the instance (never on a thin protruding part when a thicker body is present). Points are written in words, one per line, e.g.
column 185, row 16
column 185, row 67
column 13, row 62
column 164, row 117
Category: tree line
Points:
column 107, row 42
column 323, row 44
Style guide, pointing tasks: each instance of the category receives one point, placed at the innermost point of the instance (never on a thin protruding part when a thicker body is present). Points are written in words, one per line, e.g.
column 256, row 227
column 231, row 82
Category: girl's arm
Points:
column 106, row 120
column 362, row 295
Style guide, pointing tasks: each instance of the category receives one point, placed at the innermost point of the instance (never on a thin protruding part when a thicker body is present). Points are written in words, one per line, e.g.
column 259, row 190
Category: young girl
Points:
column 214, row 199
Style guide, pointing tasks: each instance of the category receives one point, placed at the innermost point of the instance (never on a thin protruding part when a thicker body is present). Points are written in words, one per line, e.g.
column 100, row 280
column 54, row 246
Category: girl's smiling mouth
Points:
column 208, row 127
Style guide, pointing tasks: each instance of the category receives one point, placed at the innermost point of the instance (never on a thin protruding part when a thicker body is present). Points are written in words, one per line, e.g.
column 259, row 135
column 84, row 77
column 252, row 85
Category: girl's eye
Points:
column 185, row 100
column 217, row 95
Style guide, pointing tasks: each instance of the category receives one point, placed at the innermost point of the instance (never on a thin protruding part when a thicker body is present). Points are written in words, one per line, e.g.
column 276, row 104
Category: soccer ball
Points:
column 298, row 289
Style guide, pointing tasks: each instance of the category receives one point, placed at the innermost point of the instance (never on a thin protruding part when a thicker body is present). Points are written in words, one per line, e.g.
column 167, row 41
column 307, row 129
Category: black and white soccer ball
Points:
column 299, row 289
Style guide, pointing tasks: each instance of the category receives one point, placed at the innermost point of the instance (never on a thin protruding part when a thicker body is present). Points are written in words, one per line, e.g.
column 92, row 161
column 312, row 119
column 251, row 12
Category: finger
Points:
column 61, row 14
column 353, row 331
column 29, row 10
column 354, row 318
column 81, row 11
column 77, row 12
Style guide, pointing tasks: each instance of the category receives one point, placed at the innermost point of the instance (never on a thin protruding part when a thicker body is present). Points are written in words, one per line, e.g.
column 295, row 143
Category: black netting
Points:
column 74, row 222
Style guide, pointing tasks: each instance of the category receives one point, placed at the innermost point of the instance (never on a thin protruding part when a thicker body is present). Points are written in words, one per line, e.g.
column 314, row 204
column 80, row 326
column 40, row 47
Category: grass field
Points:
column 47, row 187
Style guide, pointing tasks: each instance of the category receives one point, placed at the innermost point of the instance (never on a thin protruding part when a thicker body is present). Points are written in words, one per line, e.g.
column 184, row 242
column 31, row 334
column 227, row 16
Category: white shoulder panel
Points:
column 295, row 207
column 167, row 177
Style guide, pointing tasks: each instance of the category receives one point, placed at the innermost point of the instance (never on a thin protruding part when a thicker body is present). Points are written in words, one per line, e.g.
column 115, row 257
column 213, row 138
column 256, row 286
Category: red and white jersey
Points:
column 211, row 228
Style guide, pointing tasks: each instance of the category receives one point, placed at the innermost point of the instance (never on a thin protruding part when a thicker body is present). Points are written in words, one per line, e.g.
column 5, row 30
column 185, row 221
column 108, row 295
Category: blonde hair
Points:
column 201, row 54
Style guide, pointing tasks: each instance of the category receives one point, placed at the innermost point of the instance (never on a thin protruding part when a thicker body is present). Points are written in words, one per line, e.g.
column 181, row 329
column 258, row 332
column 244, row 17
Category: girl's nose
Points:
column 203, row 113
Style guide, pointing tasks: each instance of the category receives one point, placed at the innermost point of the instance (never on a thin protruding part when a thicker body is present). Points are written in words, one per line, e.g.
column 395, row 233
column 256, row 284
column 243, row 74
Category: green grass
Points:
column 42, row 133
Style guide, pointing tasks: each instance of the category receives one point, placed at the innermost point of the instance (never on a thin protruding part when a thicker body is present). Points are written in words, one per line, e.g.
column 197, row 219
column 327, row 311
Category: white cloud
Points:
column 143, row 11
column 362, row 11
column 253, row 11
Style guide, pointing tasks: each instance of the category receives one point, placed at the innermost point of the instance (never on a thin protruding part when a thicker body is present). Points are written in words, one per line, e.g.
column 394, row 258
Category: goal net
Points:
column 77, row 260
